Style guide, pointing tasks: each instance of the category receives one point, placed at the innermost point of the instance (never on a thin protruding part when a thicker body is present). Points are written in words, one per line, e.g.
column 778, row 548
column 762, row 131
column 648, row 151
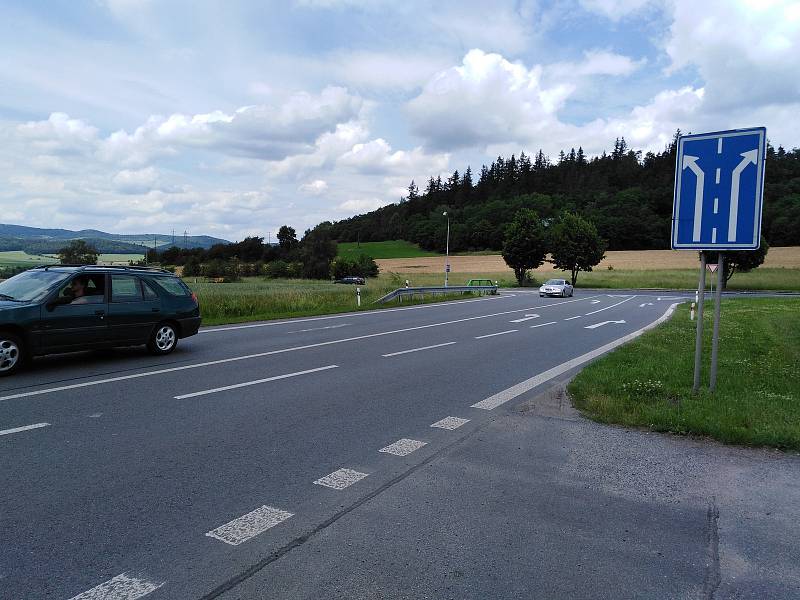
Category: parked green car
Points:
column 61, row 308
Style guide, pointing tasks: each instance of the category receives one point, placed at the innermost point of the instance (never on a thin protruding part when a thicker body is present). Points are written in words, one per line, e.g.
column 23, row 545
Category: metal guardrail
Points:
column 410, row 292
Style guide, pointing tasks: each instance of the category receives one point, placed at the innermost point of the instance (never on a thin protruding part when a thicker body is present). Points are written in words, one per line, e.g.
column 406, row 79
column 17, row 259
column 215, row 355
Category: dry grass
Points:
column 633, row 260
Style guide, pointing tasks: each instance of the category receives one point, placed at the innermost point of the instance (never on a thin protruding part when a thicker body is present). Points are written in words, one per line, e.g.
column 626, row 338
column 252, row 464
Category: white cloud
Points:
column 136, row 182
column 745, row 51
column 361, row 205
column 314, row 188
column 615, row 9
column 376, row 157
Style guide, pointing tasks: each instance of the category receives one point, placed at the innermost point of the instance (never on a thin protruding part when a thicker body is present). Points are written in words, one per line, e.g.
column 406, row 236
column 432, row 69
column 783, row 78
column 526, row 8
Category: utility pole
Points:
column 447, row 250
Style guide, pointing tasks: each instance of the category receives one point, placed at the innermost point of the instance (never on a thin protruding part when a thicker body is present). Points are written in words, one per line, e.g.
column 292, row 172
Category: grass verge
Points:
column 648, row 382
column 256, row 299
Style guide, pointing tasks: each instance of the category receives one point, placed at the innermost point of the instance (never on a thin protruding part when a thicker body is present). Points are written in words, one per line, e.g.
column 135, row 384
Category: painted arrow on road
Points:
column 596, row 325
column 645, row 304
column 595, row 301
column 525, row 318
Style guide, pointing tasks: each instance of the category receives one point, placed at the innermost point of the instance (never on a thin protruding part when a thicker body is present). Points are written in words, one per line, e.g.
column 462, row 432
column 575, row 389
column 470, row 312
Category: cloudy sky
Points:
column 232, row 118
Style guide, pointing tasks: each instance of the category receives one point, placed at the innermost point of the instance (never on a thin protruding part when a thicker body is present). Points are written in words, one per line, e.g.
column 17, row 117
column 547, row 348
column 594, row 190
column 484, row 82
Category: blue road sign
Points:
column 719, row 186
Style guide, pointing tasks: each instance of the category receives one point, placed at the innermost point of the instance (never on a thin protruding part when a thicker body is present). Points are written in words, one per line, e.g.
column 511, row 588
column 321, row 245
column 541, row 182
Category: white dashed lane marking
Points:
column 575, row 317
column 256, row 382
column 121, row 587
column 403, row 447
column 338, row 480
column 25, row 428
column 543, row 324
column 250, row 525
column 417, row 349
column 450, row 423
column 480, row 337
column 319, row 328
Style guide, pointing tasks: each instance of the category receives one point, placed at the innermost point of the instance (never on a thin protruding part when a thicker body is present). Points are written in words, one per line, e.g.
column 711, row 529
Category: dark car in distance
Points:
column 352, row 280
column 60, row 308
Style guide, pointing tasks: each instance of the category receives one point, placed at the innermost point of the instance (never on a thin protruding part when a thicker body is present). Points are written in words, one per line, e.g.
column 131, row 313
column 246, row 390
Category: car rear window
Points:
column 173, row 286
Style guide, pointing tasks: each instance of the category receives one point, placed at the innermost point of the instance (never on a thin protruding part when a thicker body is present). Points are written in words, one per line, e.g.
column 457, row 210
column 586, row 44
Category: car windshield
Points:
column 554, row 282
column 30, row 285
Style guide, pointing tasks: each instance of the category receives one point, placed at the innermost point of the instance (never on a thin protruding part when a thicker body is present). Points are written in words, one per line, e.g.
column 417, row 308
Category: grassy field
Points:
column 22, row 259
column 647, row 383
column 255, row 299
column 392, row 249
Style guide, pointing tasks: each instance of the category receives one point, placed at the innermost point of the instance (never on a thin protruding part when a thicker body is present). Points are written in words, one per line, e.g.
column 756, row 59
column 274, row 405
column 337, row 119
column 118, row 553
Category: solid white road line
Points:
column 450, row 423
column 25, row 428
column 480, row 337
column 121, row 587
column 525, row 318
column 527, row 385
column 250, row 525
column 543, row 324
column 319, row 328
column 350, row 315
column 575, row 317
column 403, row 447
column 417, row 349
column 612, row 306
column 340, row 479
column 256, row 382
column 73, row 386
column 601, row 323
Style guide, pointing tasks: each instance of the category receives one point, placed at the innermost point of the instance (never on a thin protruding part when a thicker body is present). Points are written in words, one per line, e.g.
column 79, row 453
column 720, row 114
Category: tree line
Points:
column 626, row 194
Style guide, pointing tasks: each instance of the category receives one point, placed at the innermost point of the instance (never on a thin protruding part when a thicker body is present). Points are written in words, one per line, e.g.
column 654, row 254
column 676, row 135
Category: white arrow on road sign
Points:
column 596, row 325
column 749, row 157
column 690, row 162
column 645, row 304
column 525, row 318
column 595, row 301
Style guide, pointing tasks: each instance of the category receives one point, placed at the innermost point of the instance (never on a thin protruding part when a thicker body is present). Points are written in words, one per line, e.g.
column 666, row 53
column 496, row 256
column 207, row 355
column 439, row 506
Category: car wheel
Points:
column 12, row 354
column 541, row 295
column 163, row 339
column 564, row 293
column 572, row 291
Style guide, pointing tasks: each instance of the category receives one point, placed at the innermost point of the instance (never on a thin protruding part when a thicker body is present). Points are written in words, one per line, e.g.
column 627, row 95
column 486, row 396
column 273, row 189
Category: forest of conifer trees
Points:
column 627, row 195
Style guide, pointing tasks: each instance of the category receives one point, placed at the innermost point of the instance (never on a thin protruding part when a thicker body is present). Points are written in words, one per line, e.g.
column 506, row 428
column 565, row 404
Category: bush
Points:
column 360, row 266
column 220, row 268
column 192, row 267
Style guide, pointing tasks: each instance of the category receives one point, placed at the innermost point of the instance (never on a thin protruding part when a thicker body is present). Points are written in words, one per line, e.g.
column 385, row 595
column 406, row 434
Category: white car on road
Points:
column 555, row 287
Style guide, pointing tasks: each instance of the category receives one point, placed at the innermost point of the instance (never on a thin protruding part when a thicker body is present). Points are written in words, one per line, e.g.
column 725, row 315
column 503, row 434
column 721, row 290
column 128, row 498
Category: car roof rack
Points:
column 100, row 267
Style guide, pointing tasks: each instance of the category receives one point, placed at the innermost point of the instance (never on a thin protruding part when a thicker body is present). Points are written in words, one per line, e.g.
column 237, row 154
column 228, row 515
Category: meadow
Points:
column 256, row 299
column 648, row 382
column 382, row 250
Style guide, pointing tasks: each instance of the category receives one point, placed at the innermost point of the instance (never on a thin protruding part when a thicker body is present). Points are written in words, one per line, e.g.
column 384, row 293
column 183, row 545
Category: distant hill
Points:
column 35, row 240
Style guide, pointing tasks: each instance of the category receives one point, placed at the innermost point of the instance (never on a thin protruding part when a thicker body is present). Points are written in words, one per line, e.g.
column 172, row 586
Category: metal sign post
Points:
column 698, row 344
column 712, row 383
column 719, row 189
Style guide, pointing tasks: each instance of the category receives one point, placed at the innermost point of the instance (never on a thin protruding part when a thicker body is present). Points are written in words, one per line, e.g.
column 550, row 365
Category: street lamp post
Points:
column 447, row 250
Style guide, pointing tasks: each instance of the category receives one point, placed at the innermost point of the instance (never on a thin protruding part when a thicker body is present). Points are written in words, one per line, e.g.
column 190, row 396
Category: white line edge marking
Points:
column 612, row 306
column 248, row 526
column 319, row 328
column 575, row 317
column 25, row 428
column 543, row 324
column 377, row 311
column 256, row 382
column 417, row 349
column 480, row 337
column 73, row 386
column 527, row 385
column 121, row 587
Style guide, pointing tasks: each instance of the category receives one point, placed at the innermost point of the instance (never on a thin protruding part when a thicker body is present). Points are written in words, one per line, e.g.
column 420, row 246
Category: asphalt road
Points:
column 299, row 459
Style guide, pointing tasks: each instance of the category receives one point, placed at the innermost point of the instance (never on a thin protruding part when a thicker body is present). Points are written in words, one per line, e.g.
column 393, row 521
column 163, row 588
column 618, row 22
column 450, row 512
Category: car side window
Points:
column 125, row 288
column 149, row 292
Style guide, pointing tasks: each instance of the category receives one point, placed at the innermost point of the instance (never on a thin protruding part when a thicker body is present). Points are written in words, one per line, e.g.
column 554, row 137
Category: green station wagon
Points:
column 62, row 308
